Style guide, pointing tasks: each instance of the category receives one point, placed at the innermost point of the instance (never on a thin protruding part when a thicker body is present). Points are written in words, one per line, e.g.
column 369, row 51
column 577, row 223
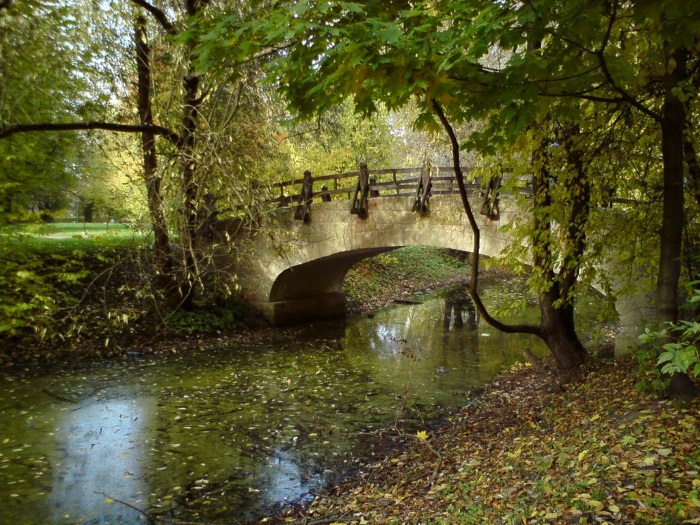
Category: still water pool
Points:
column 219, row 436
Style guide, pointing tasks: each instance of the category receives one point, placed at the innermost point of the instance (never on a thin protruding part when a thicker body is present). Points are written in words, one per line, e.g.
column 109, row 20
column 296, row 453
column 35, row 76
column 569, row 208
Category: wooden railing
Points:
column 359, row 186
column 403, row 182
column 420, row 183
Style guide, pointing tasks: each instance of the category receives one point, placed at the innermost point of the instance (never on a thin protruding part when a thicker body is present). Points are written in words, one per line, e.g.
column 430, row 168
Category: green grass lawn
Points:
column 69, row 235
column 93, row 227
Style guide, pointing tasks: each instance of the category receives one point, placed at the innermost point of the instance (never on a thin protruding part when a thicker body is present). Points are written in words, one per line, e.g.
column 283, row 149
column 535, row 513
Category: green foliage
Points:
column 43, row 78
column 649, row 375
column 682, row 355
column 33, row 288
column 43, row 277
column 339, row 142
column 196, row 322
column 679, row 342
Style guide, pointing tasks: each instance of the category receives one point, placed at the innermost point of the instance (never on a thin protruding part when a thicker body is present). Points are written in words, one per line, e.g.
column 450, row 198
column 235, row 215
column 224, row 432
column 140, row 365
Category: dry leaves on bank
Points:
column 600, row 452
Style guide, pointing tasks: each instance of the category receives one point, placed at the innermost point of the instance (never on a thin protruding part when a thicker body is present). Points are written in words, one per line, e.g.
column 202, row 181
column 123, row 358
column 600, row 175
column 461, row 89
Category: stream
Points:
column 222, row 436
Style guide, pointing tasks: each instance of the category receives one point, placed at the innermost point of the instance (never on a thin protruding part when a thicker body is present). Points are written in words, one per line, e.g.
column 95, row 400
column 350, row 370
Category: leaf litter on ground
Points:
column 527, row 452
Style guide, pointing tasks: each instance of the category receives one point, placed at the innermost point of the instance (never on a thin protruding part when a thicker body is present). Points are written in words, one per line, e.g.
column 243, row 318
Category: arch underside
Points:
column 308, row 284
column 320, row 276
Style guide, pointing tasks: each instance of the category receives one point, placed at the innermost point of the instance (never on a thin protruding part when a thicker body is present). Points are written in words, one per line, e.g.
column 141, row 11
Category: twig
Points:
column 58, row 396
column 150, row 520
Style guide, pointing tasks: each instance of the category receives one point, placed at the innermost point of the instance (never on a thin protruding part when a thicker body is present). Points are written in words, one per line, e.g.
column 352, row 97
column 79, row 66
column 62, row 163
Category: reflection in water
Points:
column 458, row 308
column 100, row 458
column 216, row 436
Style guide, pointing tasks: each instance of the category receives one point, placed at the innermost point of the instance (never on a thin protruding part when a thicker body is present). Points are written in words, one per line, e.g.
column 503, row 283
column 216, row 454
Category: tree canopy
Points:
column 554, row 86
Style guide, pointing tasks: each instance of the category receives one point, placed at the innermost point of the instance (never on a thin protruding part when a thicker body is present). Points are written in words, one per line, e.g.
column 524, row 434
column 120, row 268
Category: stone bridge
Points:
column 300, row 275
column 296, row 273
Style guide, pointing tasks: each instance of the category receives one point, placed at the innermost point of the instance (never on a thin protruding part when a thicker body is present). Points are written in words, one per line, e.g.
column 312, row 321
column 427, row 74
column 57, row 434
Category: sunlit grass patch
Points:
column 65, row 237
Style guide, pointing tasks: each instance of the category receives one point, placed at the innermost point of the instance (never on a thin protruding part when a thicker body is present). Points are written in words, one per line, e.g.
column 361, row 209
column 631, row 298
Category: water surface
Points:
column 220, row 436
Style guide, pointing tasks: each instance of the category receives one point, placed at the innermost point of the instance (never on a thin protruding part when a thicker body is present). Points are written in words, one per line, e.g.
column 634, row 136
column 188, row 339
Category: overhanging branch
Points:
column 158, row 14
column 85, row 126
column 473, row 282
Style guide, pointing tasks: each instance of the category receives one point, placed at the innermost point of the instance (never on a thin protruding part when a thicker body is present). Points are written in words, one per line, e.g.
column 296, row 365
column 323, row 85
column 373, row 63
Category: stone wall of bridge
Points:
column 297, row 273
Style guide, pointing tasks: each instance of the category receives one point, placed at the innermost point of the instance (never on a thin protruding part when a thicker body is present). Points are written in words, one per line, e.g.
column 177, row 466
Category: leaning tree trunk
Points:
column 559, row 333
column 557, row 327
column 150, row 160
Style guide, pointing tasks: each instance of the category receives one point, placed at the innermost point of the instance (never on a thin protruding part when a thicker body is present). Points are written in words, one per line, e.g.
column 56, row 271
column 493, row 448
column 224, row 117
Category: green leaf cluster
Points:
column 680, row 355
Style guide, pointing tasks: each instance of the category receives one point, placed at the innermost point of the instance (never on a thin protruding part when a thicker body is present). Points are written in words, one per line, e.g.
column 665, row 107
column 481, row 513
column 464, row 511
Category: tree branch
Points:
column 84, row 126
column 600, row 54
column 473, row 281
column 158, row 14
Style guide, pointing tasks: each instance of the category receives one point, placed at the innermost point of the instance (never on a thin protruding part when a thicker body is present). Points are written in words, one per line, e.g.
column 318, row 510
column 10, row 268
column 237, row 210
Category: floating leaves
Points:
column 602, row 452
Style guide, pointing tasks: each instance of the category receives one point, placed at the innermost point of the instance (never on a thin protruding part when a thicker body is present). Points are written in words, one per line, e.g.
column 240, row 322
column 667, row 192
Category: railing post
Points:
column 490, row 194
column 303, row 210
column 359, row 201
column 423, row 191
column 283, row 199
column 325, row 194
column 373, row 192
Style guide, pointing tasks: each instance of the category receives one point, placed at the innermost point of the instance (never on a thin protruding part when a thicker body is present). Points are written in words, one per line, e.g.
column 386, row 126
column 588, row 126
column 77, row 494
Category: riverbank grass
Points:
column 372, row 282
column 525, row 452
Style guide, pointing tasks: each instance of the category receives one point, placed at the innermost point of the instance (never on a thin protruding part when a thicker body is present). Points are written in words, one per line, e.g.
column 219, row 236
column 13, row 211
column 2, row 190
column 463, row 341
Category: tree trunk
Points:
column 672, row 142
column 87, row 213
column 190, row 114
column 154, row 197
column 559, row 333
column 556, row 326
column 190, row 122
column 672, row 137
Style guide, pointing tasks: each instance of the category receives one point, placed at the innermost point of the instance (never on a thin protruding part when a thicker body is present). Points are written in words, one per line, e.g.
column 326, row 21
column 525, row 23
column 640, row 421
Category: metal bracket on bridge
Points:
column 360, row 199
column 303, row 211
column 421, row 204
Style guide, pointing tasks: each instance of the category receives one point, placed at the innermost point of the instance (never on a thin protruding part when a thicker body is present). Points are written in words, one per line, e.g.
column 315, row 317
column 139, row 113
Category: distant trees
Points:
column 68, row 66
column 37, row 173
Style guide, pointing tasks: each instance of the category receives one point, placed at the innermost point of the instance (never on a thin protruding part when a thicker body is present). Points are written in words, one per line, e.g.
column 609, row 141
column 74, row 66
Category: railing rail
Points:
column 421, row 183
column 402, row 183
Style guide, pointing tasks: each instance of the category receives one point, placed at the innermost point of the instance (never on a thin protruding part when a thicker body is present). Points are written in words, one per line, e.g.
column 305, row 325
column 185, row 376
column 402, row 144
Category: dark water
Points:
column 219, row 436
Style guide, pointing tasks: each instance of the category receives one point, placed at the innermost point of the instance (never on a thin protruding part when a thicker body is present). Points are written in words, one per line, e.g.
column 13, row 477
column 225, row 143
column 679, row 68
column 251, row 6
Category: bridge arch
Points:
column 299, row 276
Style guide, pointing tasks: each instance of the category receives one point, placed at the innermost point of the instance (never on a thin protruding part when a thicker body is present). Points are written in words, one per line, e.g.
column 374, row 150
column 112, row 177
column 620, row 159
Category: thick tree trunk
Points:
column 150, row 160
column 559, row 333
column 672, row 138
column 672, row 142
